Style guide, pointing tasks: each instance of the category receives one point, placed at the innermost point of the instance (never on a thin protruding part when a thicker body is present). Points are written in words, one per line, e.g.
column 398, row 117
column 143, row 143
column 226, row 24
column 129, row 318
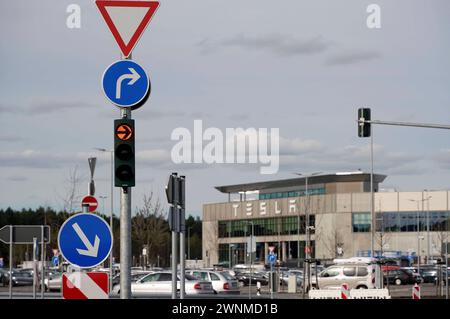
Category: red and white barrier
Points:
column 345, row 292
column 416, row 292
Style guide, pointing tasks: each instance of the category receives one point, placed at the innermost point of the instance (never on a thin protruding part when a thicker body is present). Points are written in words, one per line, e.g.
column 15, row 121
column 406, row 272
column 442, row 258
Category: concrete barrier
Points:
column 369, row 294
column 354, row 294
column 325, row 294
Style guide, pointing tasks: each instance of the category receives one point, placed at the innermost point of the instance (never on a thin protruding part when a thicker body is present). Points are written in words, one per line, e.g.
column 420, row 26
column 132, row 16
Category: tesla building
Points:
column 412, row 224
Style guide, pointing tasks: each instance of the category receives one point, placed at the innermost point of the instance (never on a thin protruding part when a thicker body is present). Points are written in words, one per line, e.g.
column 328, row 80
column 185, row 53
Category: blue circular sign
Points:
column 272, row 258
column 126, row 84
column 85, row 240
column 55, row 260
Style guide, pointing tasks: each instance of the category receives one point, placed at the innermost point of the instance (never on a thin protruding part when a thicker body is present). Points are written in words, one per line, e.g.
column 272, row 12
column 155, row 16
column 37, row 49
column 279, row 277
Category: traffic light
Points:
column 175, row 192
column 364, row 129
column 171, row 190
column 124, row 153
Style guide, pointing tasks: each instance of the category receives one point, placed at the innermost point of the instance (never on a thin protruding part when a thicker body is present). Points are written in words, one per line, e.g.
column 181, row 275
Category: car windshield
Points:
column 227, row 276
column 190, row 277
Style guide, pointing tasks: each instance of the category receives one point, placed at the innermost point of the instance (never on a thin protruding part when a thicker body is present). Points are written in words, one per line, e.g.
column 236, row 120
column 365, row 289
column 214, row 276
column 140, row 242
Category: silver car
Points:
column 222, row 281
column 53, row 282
column 135, row 276
column 160, row 283
column 359, row 276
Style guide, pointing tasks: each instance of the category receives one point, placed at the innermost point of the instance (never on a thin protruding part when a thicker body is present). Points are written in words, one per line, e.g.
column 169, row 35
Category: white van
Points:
column 358, row 274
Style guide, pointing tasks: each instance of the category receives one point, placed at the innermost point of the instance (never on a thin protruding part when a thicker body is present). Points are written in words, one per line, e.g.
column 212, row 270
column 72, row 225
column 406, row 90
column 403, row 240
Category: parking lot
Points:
column 428, row 291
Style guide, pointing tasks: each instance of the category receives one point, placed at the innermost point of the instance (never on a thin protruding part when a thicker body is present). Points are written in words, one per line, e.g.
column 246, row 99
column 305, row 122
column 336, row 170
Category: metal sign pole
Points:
column 182, row 264
column 271, row 280
column 42, row 263
column 34, row 267
column 11, row 229
column 125, row 243
column 111, row 273
column 181, row 190
column 125, row 233
column 174, row 262
column 446, row 263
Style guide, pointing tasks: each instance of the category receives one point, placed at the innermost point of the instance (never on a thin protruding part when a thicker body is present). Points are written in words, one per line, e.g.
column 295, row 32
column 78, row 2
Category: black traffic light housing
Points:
column 124, row 153
column 364, row 129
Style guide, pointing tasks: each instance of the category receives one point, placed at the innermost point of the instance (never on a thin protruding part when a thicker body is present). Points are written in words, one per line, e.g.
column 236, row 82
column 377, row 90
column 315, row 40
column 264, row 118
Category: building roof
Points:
column 300, row 181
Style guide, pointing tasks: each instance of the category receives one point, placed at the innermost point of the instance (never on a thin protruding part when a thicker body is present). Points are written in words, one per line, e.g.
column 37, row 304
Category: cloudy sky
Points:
column 301, row 66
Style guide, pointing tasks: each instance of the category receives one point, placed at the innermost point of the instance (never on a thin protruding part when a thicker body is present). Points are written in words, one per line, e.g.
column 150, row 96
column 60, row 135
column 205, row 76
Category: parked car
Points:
column 284, row 277
column 53, row 282
column 357, row 276
column 222, row 282
column 19, row 278
column 430, row 274
column 400, row 277
column 3, row 273
column 135, row 276
column 244, row 278
column 416, row 274
column 160, row 283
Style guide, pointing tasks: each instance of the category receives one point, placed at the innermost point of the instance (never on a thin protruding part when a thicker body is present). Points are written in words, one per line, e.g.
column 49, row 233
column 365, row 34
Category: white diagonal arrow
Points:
column 134, row 76
column 91, row 251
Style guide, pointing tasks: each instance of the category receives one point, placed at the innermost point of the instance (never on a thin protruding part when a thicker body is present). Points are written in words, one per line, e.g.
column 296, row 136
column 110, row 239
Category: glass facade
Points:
column 299, row 193
column 238, row 254
column 410, row 221
column 402, row 221
column 264, row 226
column 361, row 222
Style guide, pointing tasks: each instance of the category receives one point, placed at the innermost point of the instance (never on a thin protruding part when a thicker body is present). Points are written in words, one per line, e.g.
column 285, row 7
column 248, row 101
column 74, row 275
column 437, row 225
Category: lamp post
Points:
column 112, row 213
column 428, row 228
column 418, row 227
column 250, row 251
column 189, row 242
column 103, row 202
column 230, row 255
column 307, row 269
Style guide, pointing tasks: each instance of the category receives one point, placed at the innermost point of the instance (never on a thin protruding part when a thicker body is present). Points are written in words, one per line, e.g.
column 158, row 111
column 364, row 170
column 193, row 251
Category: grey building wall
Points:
column 333, row 213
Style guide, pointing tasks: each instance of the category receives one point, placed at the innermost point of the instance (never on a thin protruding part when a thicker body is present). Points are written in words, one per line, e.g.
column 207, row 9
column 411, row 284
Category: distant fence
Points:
column 354, row 294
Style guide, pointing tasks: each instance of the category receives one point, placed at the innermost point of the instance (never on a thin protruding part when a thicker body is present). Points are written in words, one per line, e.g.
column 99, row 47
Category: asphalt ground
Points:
column 428, row 291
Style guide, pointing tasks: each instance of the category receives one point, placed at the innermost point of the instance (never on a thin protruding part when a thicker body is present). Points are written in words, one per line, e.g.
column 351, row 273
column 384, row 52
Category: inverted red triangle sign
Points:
column 127, row 20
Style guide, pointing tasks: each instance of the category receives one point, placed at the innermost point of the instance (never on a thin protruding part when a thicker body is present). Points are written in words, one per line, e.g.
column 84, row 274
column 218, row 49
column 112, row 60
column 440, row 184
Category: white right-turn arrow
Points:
column 133, row 76
column 92, row 250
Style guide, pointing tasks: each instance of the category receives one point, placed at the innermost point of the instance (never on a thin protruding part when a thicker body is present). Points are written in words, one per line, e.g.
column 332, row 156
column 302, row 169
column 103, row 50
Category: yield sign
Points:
column 127, row 20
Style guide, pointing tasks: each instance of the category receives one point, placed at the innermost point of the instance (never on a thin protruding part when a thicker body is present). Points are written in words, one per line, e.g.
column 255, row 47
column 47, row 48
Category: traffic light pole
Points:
column 372, row 213
column 174, row 264
column 365, row 130
column 424, row 125
column 125, row 233
column 182, row 236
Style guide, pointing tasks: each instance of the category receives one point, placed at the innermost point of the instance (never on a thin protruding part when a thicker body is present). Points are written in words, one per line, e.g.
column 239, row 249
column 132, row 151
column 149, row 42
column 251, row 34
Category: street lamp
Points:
column 307, row 231
column 250, row 251
column 189, row 242
column 112, row 212
column 230, row 255
column 103, row 202
column 418, row 227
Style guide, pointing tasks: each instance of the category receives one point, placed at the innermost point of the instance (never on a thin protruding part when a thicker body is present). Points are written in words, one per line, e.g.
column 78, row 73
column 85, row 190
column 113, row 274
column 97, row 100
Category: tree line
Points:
column 149, row 230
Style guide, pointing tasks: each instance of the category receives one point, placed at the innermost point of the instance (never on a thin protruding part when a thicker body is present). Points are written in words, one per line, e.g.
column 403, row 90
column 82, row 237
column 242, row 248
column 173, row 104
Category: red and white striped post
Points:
column 345, row 292
column 416, row 292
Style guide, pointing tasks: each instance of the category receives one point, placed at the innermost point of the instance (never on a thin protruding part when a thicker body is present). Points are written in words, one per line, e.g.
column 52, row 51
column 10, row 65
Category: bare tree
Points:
column 149, row 227
column 211, row 234
column 71, row 198
column 334, row 243
column 381, row 236
column 441, row 237
column 382, row 240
